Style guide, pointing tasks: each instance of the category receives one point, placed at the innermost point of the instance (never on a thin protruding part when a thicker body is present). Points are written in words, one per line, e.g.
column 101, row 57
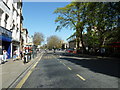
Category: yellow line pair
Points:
column 20, row 84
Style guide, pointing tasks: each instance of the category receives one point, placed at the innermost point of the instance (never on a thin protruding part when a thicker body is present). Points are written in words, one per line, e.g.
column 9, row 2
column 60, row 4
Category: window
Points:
column 6, row 18
column 6, row 1
column 1, row 12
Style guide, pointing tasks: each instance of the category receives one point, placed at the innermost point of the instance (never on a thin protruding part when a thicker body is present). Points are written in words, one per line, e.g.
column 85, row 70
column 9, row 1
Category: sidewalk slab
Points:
column 12, row 69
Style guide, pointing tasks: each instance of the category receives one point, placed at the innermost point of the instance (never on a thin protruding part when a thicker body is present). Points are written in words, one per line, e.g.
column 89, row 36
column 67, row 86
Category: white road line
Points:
column 69, row 68
column 80, row 77
column 64, row 64
column 61, row 61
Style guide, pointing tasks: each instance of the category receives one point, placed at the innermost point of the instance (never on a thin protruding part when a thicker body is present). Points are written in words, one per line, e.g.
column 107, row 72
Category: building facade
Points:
column 10, row 20
column 24, row 35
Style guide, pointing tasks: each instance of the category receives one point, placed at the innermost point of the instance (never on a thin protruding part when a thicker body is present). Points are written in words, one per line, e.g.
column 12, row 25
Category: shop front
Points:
column 5, row 41
column 15, row 47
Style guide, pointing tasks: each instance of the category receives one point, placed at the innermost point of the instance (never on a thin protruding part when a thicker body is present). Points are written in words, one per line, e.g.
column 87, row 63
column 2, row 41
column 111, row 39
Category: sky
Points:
column 39, row 17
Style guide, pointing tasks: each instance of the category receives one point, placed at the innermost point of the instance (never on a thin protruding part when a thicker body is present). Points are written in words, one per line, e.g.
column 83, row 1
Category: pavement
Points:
column 11, row 70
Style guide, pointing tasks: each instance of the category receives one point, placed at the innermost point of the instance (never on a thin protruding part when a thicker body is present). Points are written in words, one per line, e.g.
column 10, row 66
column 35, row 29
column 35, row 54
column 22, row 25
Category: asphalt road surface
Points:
column 64, row 71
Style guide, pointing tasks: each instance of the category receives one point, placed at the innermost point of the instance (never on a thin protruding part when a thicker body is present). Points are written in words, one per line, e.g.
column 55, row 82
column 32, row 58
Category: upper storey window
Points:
column 1, row 12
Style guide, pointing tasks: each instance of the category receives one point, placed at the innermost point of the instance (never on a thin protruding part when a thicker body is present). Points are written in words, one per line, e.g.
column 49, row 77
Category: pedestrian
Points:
column 15, row 55
column 21, row 55
column 24, row 56
column 5, row 55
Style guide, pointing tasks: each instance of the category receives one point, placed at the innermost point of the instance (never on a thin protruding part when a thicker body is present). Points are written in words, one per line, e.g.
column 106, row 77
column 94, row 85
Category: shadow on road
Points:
column 104, row 66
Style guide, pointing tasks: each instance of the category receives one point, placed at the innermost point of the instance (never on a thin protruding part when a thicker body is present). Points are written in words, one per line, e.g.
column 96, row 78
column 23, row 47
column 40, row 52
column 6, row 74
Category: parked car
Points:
column 77, row 51
column 70, row 50
column 74, row 51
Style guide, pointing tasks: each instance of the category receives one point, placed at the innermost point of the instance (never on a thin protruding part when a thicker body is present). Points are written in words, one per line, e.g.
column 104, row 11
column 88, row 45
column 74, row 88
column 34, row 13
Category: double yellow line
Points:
column 20, row 84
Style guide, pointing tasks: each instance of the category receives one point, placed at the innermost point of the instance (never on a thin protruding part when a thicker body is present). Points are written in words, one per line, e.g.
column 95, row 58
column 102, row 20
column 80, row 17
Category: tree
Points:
column 54, row 41
column 105, row 16
column 38, row 38
column 70, row 17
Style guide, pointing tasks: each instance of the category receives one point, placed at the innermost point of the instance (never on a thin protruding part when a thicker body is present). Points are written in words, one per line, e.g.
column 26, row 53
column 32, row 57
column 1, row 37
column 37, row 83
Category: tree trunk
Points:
column 82, row 42
column 101, row 41
column 77, row 41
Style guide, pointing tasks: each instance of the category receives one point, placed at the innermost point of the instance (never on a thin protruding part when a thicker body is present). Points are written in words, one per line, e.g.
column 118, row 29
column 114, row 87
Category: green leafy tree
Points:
column 105, row 18
column 70, row 17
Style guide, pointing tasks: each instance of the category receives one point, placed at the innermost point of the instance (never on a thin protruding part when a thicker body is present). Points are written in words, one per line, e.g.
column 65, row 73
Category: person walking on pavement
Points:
column 5, row 55
column 24, row 56
column 15, row 55
column 21, row 55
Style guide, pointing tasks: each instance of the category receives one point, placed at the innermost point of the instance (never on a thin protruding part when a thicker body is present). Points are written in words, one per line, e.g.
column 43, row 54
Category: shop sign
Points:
column 5, row 32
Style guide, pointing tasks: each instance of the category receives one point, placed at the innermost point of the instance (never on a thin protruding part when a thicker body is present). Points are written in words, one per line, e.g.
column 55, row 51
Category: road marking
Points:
column 80, row 77
column 34, row 65
column 20, row 84
column 64, row 64
column 69, row 68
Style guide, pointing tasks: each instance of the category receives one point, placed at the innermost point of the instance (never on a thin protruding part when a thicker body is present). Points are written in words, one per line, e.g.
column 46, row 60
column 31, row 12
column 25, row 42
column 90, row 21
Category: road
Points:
column 63, row 71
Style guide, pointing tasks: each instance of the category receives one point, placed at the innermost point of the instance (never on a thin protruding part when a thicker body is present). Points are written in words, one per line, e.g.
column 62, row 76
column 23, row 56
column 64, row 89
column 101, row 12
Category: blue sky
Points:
column 39, row 17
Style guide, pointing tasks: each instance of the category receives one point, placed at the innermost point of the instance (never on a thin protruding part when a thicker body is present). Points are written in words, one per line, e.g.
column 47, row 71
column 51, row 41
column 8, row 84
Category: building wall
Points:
column 73, row 44
column 25, row 36
column 30, row 39
column 5, row 25
column 10, row 17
